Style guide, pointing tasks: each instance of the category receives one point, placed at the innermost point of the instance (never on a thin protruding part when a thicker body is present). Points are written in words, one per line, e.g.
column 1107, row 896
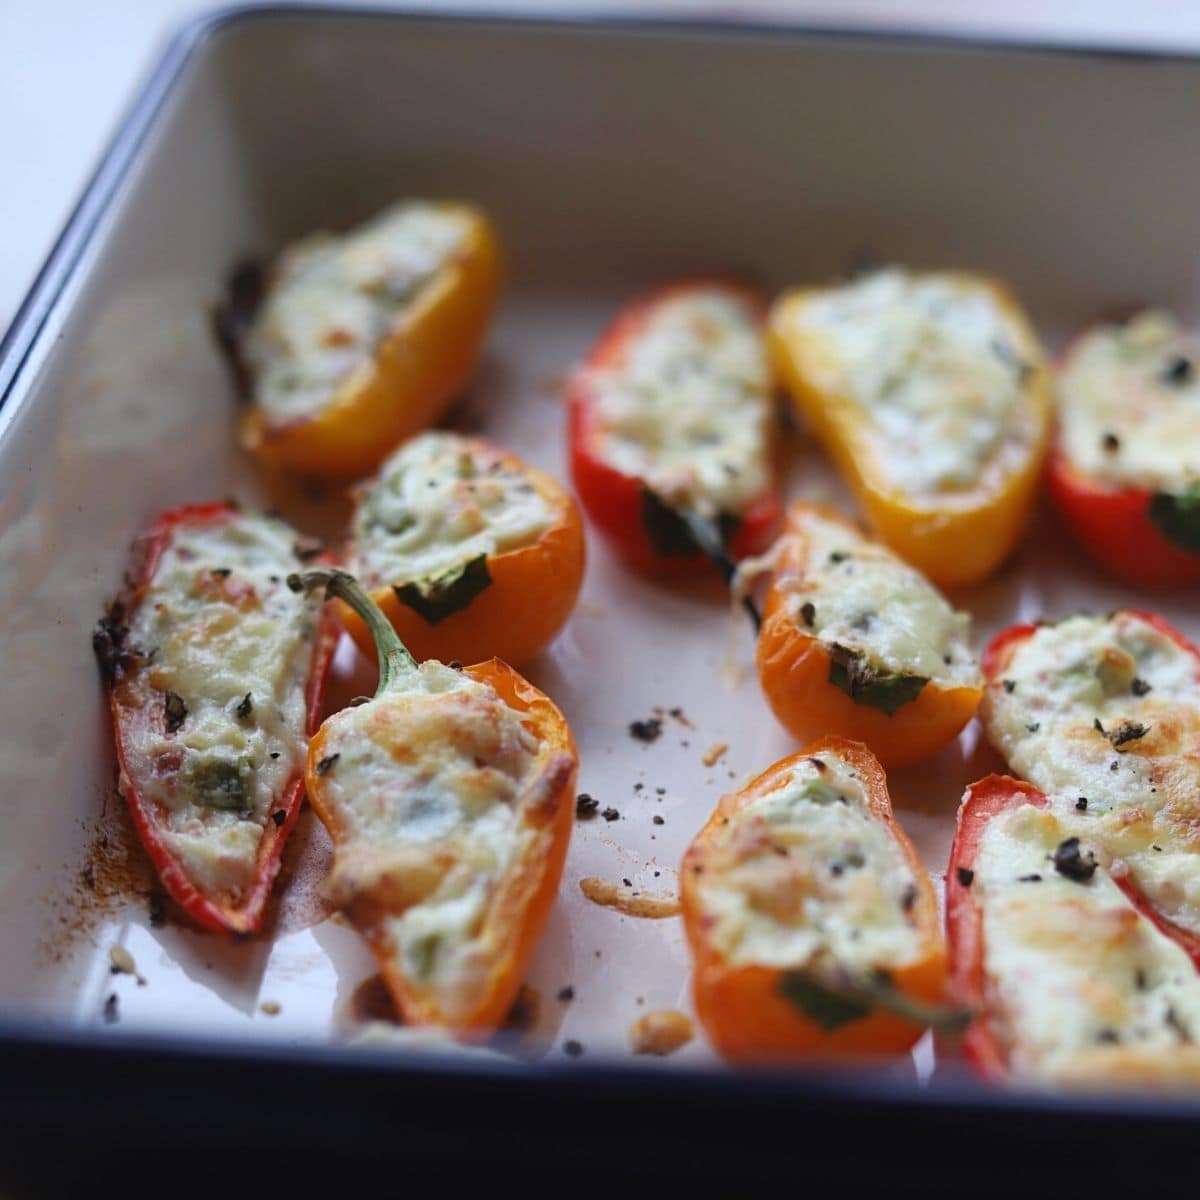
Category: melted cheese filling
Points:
column 806, row 874
column 1129, row 405
column 427, row 789
column 217, row 623
column 1143, row 794
column 935, row 365
column 438, row 504
column 333, row 299
column 867, row 599
column 1082, row 986
column 688, row 409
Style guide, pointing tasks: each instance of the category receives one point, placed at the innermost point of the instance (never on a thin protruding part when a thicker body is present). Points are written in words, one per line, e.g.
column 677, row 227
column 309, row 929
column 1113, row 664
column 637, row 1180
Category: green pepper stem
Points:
column 393, row 655
column 707, row 536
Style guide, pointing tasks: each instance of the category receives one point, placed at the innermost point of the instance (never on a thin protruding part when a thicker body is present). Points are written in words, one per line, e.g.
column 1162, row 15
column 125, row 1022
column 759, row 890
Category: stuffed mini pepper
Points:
column 812, row 924
column 858, row 643
column 1125, row 472
column 470, row 552
column 215, row 673
column 929, row 392
column 354, row 342
column 1102, row 714
column 1071, row 983
column 450, row 799
column 671, row 428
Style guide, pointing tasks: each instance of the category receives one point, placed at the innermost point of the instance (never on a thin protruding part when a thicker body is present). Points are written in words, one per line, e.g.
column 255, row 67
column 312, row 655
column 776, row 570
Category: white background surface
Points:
column 72, row 66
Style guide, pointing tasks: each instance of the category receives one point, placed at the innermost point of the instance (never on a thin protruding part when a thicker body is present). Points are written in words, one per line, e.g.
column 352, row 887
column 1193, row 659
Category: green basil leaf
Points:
column 438, row 596
column 865, row 684
column 828, row 1008
column 1178, row 517
column 672, row 534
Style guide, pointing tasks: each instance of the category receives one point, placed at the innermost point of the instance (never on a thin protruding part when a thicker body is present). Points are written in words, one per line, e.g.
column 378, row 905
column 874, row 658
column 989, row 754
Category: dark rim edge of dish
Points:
column 959, row 1095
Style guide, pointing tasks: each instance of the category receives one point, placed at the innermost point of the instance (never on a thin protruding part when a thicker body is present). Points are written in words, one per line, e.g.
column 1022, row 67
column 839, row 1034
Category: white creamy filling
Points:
column 1143, row 796
column 806, row 875
column 438, row 504
column 1129, row 404
column 935, row 364
column 857, row 594
column 426, row 788
column 333, row 299
column 1072, row 969
column 219, row 624
column 689, row 408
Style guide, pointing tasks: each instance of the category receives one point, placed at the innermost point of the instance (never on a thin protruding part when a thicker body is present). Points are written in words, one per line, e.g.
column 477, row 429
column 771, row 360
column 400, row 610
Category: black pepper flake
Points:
column 658, row 820
column 274, row 753
column 1154, row 847
column 88, row 875
column 627, row 883
column 965, row 876
column 572, row 1048
column 1071, row 862
column 1010, row 686
column 279, row 816
column 566, row 994
column 175, row 711
column 660, row 791
column 1034, row 878
column 1139, row 980
column 222, row 572
column 1111, row 443
column 455, row 665
column 157, row 910
column 909, row 898
column 610, row 814
column 1112, row 766
column 326, row 764
column 819, row 765
column 837, row 557
column 808, row 613
column 1081, row 804
column 647, row 730
column 639, row 786
column 1139, row 687
column 111, row 1015
column 1179, row 370
column 246, row 707
column 1034, row 726
column 586, row 806
column 1108, row 1037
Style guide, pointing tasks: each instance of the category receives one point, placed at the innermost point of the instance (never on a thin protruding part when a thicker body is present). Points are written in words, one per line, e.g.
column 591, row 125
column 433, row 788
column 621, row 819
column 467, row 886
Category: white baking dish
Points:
column 612, row 156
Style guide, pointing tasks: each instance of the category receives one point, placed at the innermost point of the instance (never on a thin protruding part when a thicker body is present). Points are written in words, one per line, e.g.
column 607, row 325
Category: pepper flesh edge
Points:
column 742, row 1009
column 1113, row 525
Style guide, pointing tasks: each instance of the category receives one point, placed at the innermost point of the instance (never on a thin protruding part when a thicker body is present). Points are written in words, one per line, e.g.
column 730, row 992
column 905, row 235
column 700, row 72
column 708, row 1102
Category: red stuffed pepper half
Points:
column 671, row 428
column 215, row 674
